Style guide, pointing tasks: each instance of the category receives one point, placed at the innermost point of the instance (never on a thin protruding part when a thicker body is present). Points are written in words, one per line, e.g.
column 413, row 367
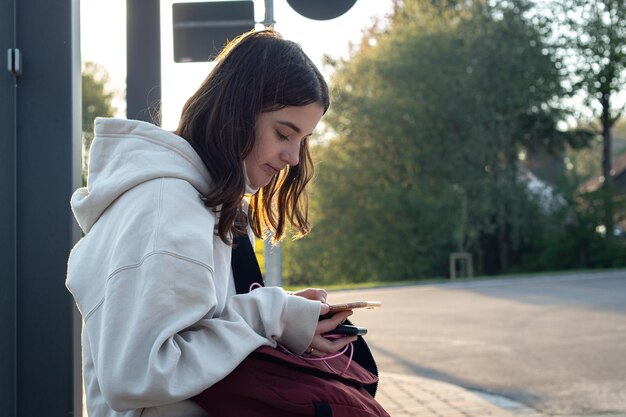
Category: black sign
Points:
column 321, row 9
column 201, row 30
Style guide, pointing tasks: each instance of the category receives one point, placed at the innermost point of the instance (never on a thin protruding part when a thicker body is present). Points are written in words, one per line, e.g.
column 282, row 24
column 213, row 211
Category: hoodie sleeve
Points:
column 155, row 339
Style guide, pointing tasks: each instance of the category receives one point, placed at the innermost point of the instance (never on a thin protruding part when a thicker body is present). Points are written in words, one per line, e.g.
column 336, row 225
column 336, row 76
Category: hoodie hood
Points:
column 126, row 153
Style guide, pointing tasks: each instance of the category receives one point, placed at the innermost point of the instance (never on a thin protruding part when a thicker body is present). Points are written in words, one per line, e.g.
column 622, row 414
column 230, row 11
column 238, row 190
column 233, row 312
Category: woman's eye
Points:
column 281, row 136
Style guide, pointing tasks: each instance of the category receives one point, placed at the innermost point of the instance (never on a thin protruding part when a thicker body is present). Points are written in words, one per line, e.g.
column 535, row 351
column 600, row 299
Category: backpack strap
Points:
column 363, row 356
column 245, row 266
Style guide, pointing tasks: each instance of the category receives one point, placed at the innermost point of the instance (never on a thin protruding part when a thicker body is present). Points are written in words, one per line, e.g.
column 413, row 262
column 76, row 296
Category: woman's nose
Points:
column 291, row 155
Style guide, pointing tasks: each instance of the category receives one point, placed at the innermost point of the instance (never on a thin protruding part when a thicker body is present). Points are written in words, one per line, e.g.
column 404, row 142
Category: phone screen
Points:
column 354, row 305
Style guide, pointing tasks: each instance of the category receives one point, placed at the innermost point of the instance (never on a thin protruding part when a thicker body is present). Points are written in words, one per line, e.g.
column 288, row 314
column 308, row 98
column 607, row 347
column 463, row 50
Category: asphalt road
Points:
column 554, row 343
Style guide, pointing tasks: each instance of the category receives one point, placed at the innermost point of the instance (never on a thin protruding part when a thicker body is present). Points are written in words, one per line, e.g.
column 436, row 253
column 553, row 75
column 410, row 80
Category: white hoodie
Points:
column 153, row 282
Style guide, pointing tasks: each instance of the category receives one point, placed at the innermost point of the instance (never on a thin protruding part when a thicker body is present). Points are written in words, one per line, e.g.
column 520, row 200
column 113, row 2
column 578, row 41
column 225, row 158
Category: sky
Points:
column 103, row 40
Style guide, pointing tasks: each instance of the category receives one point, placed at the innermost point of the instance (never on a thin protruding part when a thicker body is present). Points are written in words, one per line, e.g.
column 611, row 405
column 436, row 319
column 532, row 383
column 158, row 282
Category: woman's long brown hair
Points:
column 257, row 72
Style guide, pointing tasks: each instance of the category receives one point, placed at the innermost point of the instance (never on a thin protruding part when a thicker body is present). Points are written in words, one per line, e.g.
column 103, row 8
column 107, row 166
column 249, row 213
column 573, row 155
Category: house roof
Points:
column 618, row 169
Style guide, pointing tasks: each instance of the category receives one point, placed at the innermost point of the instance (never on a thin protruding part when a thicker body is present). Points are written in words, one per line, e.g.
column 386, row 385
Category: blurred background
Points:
column 465, row 138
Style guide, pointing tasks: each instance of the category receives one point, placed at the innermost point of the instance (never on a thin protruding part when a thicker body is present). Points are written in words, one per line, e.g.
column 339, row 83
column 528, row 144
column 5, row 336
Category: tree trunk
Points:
column 503, row 248
column 607, row 186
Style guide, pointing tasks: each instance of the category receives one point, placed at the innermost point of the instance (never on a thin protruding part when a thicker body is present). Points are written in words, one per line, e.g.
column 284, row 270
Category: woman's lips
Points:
column 273, row 170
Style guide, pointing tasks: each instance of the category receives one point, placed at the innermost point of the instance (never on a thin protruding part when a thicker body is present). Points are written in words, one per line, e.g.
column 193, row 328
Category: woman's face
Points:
column 279, row 135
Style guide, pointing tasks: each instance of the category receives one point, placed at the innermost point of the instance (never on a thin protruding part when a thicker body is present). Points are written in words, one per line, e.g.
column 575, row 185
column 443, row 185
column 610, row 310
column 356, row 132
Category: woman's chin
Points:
column 263, row 182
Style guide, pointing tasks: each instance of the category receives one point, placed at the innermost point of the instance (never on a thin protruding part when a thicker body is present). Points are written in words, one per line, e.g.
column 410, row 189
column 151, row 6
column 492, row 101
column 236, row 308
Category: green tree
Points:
column 97, row 101
column 512, row 81
column 424, row 129
column 591, row 35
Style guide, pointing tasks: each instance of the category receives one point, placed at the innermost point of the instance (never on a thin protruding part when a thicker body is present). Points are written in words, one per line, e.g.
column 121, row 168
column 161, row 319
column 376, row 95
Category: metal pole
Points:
column 143, row 60
column 269, row 15
column 273, row 264
column 42, row 145
column 8, row 213
column 273, row 255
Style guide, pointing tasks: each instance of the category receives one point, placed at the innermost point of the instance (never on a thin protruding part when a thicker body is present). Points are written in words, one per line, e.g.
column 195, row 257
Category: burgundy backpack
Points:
column 272, row 382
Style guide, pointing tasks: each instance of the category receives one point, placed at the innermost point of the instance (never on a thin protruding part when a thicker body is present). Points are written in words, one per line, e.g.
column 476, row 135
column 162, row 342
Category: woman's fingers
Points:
column 324, row 309
column 330, row 323
column 323, row 346
column 316, row 294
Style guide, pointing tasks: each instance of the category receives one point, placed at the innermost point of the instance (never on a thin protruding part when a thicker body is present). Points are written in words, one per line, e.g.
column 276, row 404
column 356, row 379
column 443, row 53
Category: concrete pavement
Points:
column 413, row 396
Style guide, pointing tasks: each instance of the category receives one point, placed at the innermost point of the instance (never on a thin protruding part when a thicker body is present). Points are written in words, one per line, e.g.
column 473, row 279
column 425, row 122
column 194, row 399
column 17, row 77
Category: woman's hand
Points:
column 312, row 294
column 323, row 346
column 315, row 294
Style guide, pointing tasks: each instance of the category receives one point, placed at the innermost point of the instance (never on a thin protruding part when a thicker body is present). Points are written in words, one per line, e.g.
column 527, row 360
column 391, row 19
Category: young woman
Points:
column 152, row 276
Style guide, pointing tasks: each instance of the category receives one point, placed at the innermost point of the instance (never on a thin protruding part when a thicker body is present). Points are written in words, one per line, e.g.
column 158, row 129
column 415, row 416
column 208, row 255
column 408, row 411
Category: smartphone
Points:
column 347, row 330
column 351, row 306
